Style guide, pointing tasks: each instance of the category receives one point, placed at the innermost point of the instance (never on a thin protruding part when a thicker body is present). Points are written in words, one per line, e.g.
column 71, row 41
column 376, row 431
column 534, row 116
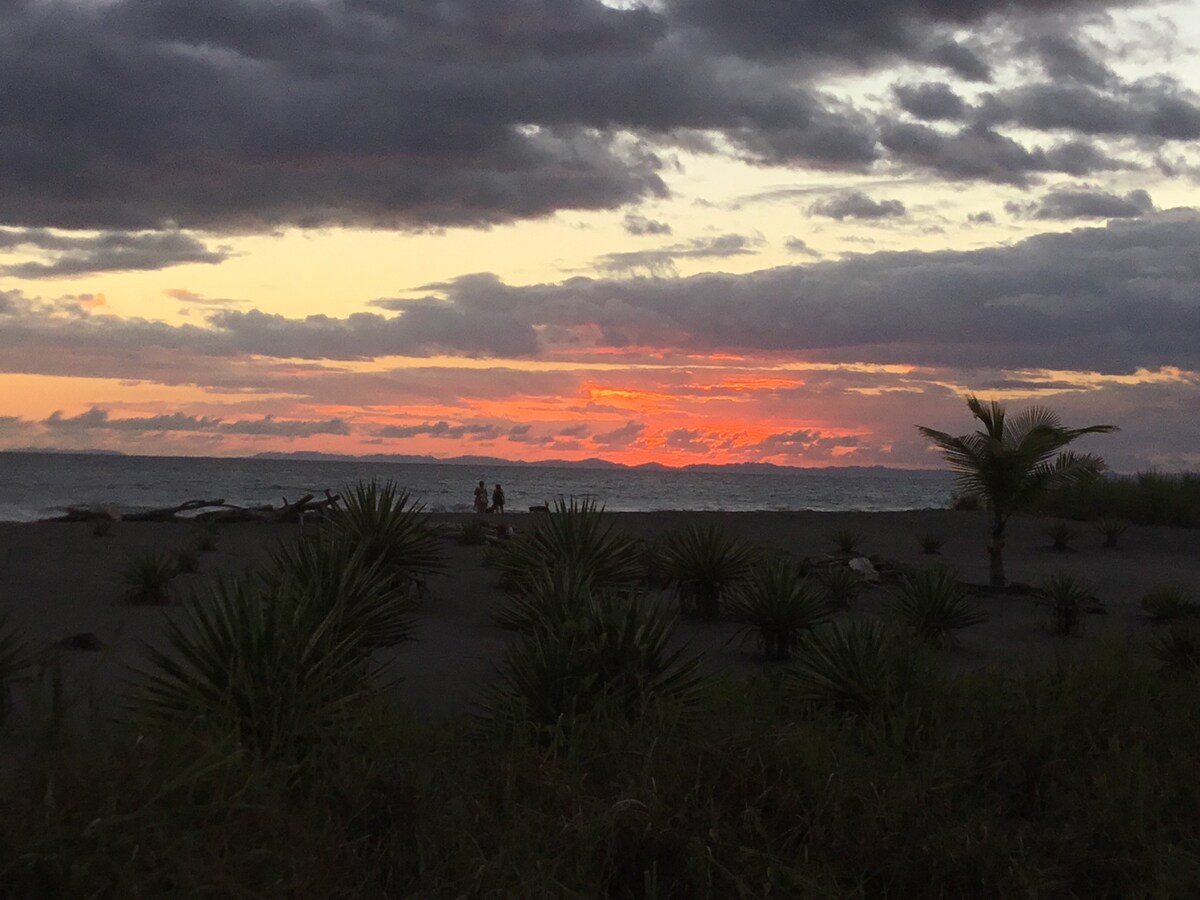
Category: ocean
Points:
column 39, row 485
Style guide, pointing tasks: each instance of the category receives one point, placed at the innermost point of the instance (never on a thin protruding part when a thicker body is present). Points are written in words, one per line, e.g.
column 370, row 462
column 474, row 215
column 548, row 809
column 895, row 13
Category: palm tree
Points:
column 1013, row 459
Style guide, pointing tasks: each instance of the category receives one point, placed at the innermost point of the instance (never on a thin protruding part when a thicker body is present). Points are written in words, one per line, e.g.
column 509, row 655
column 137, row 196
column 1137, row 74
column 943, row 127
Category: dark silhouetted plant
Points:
column 187, row 562
column 843, row 665
column 1013, row 460
column 390, row 527
column 548, row 599
column 932, row 604
column 205, row 534
column 778, row 604
column 472, row 533
column 1178, row 651
column 703, row 562
column 576, row 534
column 931, row 544
column 16, row 656
column 1169, row 603
column 102, row 527
column 1068, row 599
column 1061, row 535
column 847, row 540
column 841, row 585
column 147, row 577
column 1111, row 530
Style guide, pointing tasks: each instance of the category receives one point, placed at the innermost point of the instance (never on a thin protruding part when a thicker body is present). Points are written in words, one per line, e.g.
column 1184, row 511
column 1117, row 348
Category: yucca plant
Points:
column 576, row 534
column 1169, row 603
column 612, row 657
column 187, row 562
column 778, row 604
column 1111, row 530
column 260, row 664
column 1068, row 598
column 472, row 533
column 930, row 543
column 16, row 656
column 205, row 534
column 847, row 540
column 842, row 665
column 332, row 571
column 147, row 577
column 1061, row 535
column 1178, row 652
column 703, row 562
column 392, row 528
column 932, row 604
column 841, row 585
column 548, row 599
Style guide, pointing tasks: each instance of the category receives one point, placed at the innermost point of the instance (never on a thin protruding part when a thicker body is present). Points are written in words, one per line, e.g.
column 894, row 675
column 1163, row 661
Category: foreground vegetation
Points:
column 1148, row 498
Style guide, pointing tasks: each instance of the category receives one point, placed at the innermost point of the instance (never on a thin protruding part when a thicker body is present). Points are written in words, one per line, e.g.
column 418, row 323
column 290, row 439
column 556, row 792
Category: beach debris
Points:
column 216, row 510
column 83, row 641
column 864, row 568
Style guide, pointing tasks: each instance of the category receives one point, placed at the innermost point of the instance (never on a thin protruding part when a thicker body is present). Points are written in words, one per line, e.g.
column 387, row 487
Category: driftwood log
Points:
column 212, row 511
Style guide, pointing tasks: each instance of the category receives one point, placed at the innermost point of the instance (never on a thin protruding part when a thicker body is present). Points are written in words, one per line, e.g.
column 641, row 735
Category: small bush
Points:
column 841, row 585
column 187, row 562
column 205, row 534
column 966, row 502
column 548, row 600
column 1068, row 599
column 472, row 533
column 147, row 577
column 102, row 527
column 847, row 540
column 704, row 563
column 843, row 666
column 777, row 603
column 1111, row 529
column 16, row 656
column 390, row 527
column 931, row 544
column 1169, row 603
column 1178, row 652
column 932, row 604
column 1061, row 535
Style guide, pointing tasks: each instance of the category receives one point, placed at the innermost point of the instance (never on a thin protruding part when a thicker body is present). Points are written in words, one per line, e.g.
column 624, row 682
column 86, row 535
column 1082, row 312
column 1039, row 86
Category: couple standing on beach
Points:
column 481, row 499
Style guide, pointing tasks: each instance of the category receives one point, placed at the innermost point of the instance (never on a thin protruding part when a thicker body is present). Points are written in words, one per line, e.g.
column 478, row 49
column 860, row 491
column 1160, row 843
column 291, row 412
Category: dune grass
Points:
column 1147, row 498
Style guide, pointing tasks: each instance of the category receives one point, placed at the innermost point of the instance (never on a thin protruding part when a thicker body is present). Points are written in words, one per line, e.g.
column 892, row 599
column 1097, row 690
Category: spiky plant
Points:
column 1178, row 651
column 147, row 577
column 548, row 599
column 842, row 665
column 205, row 534
column 16, row 656
column 847, row 540
column 1011, row 461
column 576, row 534
column 778, row 604
column 472, row 533
column 841, row 585
column 1061, row 535
column 334, row 572
column 187, row 562
column 1068, row 598
column 703, row 562
column 1111, row 530
column 1170, row 603
column 269, row 666
column 930, row 543
column 613, row 657
column 391, row 527
column 932, row 604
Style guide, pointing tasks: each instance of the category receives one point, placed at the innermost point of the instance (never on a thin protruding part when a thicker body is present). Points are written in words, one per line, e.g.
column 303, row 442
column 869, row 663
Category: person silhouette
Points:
column 481, row 500
column 498, row 499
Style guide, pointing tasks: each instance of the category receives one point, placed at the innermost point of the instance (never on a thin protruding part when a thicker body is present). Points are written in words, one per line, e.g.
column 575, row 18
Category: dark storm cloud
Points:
column 1157, row 110
column 100, row 418
column 111, row 251
column 857, row 205
column 930, row 101
column 1108, row 299
column 1085, row 203
column 961, row 60
column 1064, row 59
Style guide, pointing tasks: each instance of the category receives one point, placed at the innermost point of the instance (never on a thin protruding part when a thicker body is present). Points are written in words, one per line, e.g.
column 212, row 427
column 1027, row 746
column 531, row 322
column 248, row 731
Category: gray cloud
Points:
column 441, row 429
column 799, row 246
column 1064, row 59
column 930, row 101
column 99, row 418
column 1158, row 109
column 857, row 205
column 627, row 434
column 640, row 225
column 111, row 251
column 1085, row 203
column 662, row 261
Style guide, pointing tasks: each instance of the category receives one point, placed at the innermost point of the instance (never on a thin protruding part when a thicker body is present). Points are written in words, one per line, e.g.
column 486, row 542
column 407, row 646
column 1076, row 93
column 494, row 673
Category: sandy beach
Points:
column 60, row 580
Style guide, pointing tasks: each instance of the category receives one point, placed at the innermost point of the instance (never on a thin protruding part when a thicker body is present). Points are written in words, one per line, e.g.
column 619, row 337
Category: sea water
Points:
column 39, row 485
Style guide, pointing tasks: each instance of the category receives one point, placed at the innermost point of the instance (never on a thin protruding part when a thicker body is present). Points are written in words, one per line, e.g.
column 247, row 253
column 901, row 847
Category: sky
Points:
column 681, row 231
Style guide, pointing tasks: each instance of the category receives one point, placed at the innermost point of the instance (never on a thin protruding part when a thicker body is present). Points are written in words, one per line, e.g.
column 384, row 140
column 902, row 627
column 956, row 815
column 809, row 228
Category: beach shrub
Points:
column 102, row 527
column 147, row 577
column 1012, row 461
column 843, row 666
column 1061, row 535
column 1147, row 498
column 273, row 667
column 1111, row 530
column 187, row 562
column 576, row 534
column 1178, row 652
column 472, row 533
column 703, row 563
column 611, row 657
column 1068, row 599
column 650, row 554
column 334, row 574
column 841, row 585
column 205, row 534
column 548, row 599
column 965, row 502
column 932, row 604
column 16, row 656
column 778, row 604
column 930, row 543
column 847, row 540
column 392, row 528
column 1169, row 603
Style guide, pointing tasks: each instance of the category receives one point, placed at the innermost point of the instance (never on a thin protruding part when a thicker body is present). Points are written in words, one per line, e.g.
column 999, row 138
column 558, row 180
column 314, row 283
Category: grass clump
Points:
column 102, row 527
column 1068, row 599
column 778, row 604
column 846, row 666
column 931, row 543
column 548, row 599
column 1061, row 535
column 1178, row 652
column 16, row 657
column 932, row 604
column 841, row 585
column 205, row 535
column 472, row 533
column 391, row 528
column 847, row 541
column 1170, row 603
column 147, row 577
column 704, row 563
column 1147, row 498
column 1111, row 530
column 187, row 561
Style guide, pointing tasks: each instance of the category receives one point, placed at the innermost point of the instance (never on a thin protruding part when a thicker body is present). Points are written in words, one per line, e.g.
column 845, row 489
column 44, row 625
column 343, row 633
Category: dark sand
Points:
column 58, row 580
